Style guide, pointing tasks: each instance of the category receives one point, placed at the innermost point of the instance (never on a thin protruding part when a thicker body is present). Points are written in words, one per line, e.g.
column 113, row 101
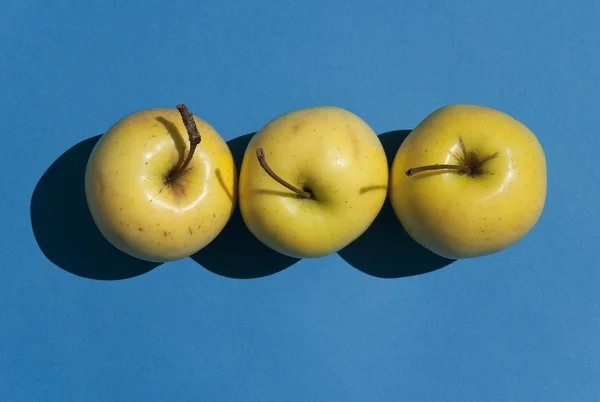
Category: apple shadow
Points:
column 385, row 250
column 236, row 252
column 63, row 226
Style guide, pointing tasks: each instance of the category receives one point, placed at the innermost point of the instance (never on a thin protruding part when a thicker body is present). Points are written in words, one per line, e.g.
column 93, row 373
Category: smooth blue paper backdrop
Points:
column 521, row 325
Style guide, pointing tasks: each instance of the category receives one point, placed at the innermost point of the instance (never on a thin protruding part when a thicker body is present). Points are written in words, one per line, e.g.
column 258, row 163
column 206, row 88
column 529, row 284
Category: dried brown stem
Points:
column 194, row 138
column 260, row 154
column 469, row 163
column 413, row 171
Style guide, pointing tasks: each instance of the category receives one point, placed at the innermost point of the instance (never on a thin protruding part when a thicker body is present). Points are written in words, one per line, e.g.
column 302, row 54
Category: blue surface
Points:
column 366, row 325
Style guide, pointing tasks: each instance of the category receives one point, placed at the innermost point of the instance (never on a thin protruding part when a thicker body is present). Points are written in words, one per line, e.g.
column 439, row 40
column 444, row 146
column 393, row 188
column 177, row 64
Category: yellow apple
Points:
column 153, row 194
column 312, row 181
column 468, row 181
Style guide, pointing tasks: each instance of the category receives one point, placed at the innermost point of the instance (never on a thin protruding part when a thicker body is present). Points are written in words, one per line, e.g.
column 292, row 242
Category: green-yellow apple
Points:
column 312, row 181
column 468, row 181
column 161, row 184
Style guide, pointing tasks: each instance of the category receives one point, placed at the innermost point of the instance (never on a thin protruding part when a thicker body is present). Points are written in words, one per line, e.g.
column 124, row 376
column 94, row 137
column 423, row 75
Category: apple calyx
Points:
column 260, row 154
column 469, row 163
column 194, row 138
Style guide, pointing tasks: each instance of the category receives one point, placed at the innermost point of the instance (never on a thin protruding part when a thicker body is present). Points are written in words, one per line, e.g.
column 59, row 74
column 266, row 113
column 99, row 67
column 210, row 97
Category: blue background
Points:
column 381, row 321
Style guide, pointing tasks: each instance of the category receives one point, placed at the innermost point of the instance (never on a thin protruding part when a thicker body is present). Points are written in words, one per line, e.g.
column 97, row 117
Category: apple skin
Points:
column 133, row 207
column 333, row 153
column 460, row 216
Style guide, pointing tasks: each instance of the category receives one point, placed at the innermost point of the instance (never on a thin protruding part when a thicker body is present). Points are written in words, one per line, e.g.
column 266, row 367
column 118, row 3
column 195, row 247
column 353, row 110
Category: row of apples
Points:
column 468, row 181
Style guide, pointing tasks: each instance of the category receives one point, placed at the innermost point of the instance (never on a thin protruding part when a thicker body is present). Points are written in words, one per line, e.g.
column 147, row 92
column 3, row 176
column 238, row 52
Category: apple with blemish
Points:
column 312, row 181
column 468, row 181
column 161, row 184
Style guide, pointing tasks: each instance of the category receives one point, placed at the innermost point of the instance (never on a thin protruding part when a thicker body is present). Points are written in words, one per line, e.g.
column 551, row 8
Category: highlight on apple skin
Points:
column 161, row 184
column 469, row 181
column 312, row 181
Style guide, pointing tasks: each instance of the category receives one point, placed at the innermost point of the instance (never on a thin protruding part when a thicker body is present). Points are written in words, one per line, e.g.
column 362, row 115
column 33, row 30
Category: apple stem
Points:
column 260, row 154
column 194, row 137
column 464, row 169
column 470, row 163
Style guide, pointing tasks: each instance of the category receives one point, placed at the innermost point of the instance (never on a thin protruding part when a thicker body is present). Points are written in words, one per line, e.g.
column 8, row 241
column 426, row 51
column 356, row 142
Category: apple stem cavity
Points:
column 469, row 163
column 260, row 154
column 194, row 138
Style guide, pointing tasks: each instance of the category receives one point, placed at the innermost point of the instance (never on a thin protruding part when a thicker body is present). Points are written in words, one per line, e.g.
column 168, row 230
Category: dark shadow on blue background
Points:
column 385, row 250
column 64, row 229
column 235, row 252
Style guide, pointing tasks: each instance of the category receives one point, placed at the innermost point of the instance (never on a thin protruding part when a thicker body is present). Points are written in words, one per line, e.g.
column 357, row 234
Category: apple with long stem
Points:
column 312, row 181
column 154, row 195
column 468, row 181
